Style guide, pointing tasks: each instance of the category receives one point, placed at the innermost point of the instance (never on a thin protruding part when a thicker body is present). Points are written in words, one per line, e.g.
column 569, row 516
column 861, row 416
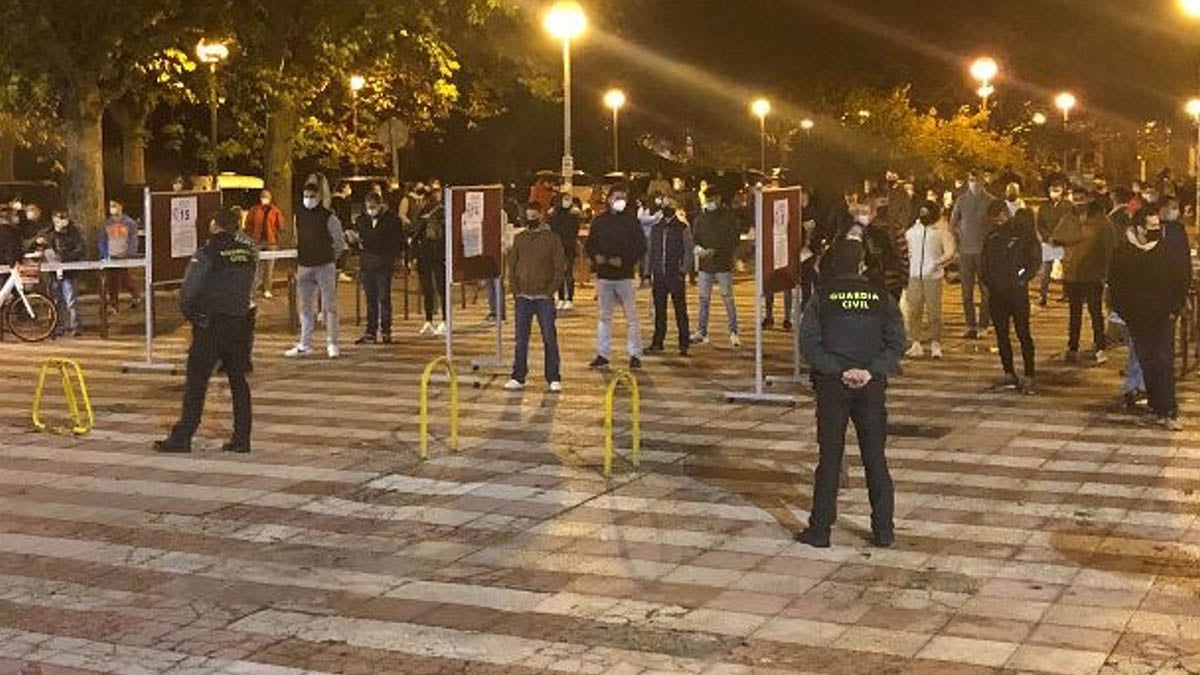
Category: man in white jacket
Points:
column 930, row 248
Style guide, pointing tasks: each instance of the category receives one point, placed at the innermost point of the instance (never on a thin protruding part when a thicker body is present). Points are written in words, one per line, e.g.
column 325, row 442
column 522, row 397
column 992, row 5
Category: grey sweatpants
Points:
column 311, row 281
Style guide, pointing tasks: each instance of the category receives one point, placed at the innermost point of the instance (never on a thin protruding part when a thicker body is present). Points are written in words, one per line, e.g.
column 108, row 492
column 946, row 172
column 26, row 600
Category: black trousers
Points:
column 1011, row 306
column 673, row 288
column 1154, row 342
column 431, row 274
column 228, row 340
column 837, row 405
column 1092, row 293
column 377, row 287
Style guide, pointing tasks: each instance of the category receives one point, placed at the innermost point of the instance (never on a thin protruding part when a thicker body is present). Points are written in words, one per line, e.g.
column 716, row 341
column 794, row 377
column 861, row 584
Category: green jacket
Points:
column 536, row 263
column 717, row 231
column 1089, row 244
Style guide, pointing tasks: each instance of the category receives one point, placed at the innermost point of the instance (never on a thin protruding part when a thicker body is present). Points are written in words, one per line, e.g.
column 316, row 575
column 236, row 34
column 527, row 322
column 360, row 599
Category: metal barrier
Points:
column 635, row 416
column 67, row 367
column 425, row 377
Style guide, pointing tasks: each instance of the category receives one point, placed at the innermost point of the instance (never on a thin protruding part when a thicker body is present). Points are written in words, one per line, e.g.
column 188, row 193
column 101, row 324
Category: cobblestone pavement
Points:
column 1040, row 534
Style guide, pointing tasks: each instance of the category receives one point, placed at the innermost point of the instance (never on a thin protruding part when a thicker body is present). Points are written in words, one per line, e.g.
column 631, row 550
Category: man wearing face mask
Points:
column 717, row 236
column 969, row 223
column 1089, row 242
column 564, row 221
column 1048, row 217
column 930, row 249
column 379, row 237
column 12, row 249
column 649, row 214
column 535, row 269
column 263, row 224
column 63, row 242
column 1151, row 273
column 615, row 245
column 319, row 243
column 118, row 239
column 671, row 251
column 1010, row 260
column 428, row 243
column 34, row 223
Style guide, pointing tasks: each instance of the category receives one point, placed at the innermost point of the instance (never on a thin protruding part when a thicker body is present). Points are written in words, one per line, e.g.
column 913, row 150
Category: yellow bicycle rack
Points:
column 635, row 416
column 449, row 367
column 67, row 368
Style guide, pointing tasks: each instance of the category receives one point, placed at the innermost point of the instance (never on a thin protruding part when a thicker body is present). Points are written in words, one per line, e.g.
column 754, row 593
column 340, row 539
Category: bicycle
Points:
column 29, row 315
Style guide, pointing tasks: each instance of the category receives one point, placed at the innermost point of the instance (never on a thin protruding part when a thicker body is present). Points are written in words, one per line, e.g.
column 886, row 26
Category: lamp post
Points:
column 1066, row 103
column 614, row 100
column 985, row 69
column 1039, row 118
column 212, row 53
column 761, row 108
column 566, row 21
column 1193, row 109
column 807, row 125
column 357, row 82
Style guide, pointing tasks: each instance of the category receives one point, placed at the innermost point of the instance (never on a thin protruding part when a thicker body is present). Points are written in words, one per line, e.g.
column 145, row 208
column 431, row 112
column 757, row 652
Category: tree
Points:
column 160, row 79
column 26, row 121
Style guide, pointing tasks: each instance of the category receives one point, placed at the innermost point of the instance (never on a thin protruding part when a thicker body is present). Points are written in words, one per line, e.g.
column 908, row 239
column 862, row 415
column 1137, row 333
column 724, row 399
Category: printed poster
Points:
column 780, row 231
column 472, row 225
column 183, row 226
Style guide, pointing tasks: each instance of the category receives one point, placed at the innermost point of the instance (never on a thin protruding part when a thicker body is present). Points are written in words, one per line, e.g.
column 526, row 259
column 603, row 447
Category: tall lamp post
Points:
column 984, row 69
column 357, row 82
column 1066, row 103
column 566, row 21
column 761, row 108
column 1193, row 109
column 212, row 53
column 614, row 100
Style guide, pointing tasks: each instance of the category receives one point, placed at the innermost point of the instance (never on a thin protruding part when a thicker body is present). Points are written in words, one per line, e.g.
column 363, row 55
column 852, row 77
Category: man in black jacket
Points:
column 217, row 297
column 852, row 336
column 564, row 221
column 616, row 245
column 381, row 239
column 671, row 258
column 1010, row 260
column 11, row 248
column 63, row 242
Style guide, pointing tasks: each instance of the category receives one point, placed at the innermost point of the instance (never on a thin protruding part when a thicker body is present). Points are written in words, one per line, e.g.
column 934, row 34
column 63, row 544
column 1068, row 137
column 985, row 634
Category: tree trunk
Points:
column 8, row 155
column 130, row 117
column 283, row 123
column 83, row 113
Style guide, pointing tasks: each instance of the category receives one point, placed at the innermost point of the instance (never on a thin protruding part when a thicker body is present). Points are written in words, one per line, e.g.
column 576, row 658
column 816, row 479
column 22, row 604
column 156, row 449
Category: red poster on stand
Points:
column 476, row 219
column 781, row 239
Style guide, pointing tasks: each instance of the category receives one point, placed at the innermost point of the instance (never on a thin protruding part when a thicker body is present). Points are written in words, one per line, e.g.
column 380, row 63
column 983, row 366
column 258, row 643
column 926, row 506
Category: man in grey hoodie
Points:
column 969, row 222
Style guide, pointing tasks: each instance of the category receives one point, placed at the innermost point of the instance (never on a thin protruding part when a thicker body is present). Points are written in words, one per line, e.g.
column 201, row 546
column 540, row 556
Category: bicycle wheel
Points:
column 35, row 324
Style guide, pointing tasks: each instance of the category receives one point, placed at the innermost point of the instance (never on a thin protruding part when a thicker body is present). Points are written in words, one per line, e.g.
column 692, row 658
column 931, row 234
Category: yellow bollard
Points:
column 439, row 361
column 67, row 368
column 635, row 417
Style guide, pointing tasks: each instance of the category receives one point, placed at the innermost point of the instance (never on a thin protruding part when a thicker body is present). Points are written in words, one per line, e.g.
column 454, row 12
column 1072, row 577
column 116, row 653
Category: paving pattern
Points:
column 1041, row 534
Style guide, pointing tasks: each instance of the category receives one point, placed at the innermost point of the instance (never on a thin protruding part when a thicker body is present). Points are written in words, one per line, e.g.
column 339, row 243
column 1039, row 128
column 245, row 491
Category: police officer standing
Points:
column 217, row 298
column 852, row 336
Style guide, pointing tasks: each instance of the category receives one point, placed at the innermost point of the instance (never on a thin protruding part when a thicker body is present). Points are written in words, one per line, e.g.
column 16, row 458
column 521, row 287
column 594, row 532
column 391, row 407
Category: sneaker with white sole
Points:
column 568, row 305
column 1101, row 357
column 556, row 387
column 935, row 350
column 427, row 329
column 298, row 350
column 735, row 341
column 559, row 305
column 916, row 351
column 698, row 339
column 440, row 330
column 268, row 295
column 333, row 351
column 514, row 385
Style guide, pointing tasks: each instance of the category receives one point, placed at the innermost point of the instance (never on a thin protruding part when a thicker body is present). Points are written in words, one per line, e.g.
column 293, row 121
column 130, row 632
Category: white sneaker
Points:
column 556, row 387
column 514, row 385
column 560, row 305
column 440, row 330
column 333, row 351
column 916, row 351
column 297, row 351
column 1101, row 357
column 735, row 341
column 345, row 278
column 698, row 339
column 935, row 350
column 568, row 305
column 427, row 329
column 268, row 295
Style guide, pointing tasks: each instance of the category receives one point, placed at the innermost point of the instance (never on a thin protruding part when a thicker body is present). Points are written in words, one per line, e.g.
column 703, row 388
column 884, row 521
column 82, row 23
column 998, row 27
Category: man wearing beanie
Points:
column 852, row 336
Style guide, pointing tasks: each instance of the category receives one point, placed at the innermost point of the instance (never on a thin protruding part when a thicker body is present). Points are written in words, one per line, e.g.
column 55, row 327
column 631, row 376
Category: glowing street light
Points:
column 212, row 53
column 1066, row 103
column 1039, row 118
column 985, row 69
column 761, row 108
column 566, row 21
column 1193, row 109
column 1190, row 7
column 807, row 125
column 614, row 100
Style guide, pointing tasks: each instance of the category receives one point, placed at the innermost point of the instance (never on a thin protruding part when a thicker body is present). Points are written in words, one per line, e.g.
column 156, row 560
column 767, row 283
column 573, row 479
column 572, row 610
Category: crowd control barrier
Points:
column 425, row 377
column 622, row 376
column 81, row 420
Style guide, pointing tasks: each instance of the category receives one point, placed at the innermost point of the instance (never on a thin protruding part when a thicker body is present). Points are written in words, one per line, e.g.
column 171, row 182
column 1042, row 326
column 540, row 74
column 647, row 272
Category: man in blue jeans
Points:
column 615, row 245
column 716, row 234
column 536, row 268
column 378, row 234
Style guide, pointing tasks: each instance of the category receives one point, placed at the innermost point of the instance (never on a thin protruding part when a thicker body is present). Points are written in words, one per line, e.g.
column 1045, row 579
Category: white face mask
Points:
column 266, row 201
column 60, row 224
column 310, row 202
column 618, row 205
column 1172, row 215
column 567, row 203
column 32, row 215
column 1056, row 194
column 658, row 201
column 862, row 219
column 711, row 206
column 114, row 212
column 372, row 211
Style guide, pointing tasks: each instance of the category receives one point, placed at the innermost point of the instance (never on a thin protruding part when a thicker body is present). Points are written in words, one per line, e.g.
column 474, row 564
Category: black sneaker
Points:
column 813, row 538
column 635, row 363
column 365, row 340
column 598, row 362
column 236, row 446
column 173, row 446
column 654, row 349
column 787, row 325
column 1011, row 381
column 768, row 323
column 683, row 351
column 883, row 538
column 386, row 339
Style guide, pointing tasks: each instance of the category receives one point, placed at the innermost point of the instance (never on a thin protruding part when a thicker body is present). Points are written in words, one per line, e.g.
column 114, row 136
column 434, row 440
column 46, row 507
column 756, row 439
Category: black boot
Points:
column 173, row 446
column 813, row 538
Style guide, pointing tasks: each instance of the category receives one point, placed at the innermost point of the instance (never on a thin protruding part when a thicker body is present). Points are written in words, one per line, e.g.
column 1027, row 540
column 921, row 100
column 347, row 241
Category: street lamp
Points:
column 1066, row 103
column 984, row 69
column 614, row 100
column 212, row 53
column 761, row 108
column 566, row 21
column 1193, row 109
column 1039, row 118
column 357, row 82
column 807, row 125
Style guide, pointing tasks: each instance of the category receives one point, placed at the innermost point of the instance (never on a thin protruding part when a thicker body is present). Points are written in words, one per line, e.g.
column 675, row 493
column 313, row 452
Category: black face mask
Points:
column 1154, row 235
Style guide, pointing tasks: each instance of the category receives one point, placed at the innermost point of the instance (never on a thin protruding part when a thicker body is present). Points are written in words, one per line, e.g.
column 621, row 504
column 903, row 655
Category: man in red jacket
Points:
column 263, row 223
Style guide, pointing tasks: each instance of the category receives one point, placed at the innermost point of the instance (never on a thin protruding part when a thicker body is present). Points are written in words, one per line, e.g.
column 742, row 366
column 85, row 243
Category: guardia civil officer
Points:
column 852, row 336
column 217, row 298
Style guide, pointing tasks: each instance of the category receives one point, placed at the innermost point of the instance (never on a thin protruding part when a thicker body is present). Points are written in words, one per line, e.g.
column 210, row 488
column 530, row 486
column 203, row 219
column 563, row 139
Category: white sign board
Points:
column 472, row 225
column 183, row 226
column 779, row 228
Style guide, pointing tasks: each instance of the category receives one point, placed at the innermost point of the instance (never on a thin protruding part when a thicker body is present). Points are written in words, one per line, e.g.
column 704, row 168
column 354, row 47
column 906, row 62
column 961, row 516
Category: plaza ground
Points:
column 1043, row 534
